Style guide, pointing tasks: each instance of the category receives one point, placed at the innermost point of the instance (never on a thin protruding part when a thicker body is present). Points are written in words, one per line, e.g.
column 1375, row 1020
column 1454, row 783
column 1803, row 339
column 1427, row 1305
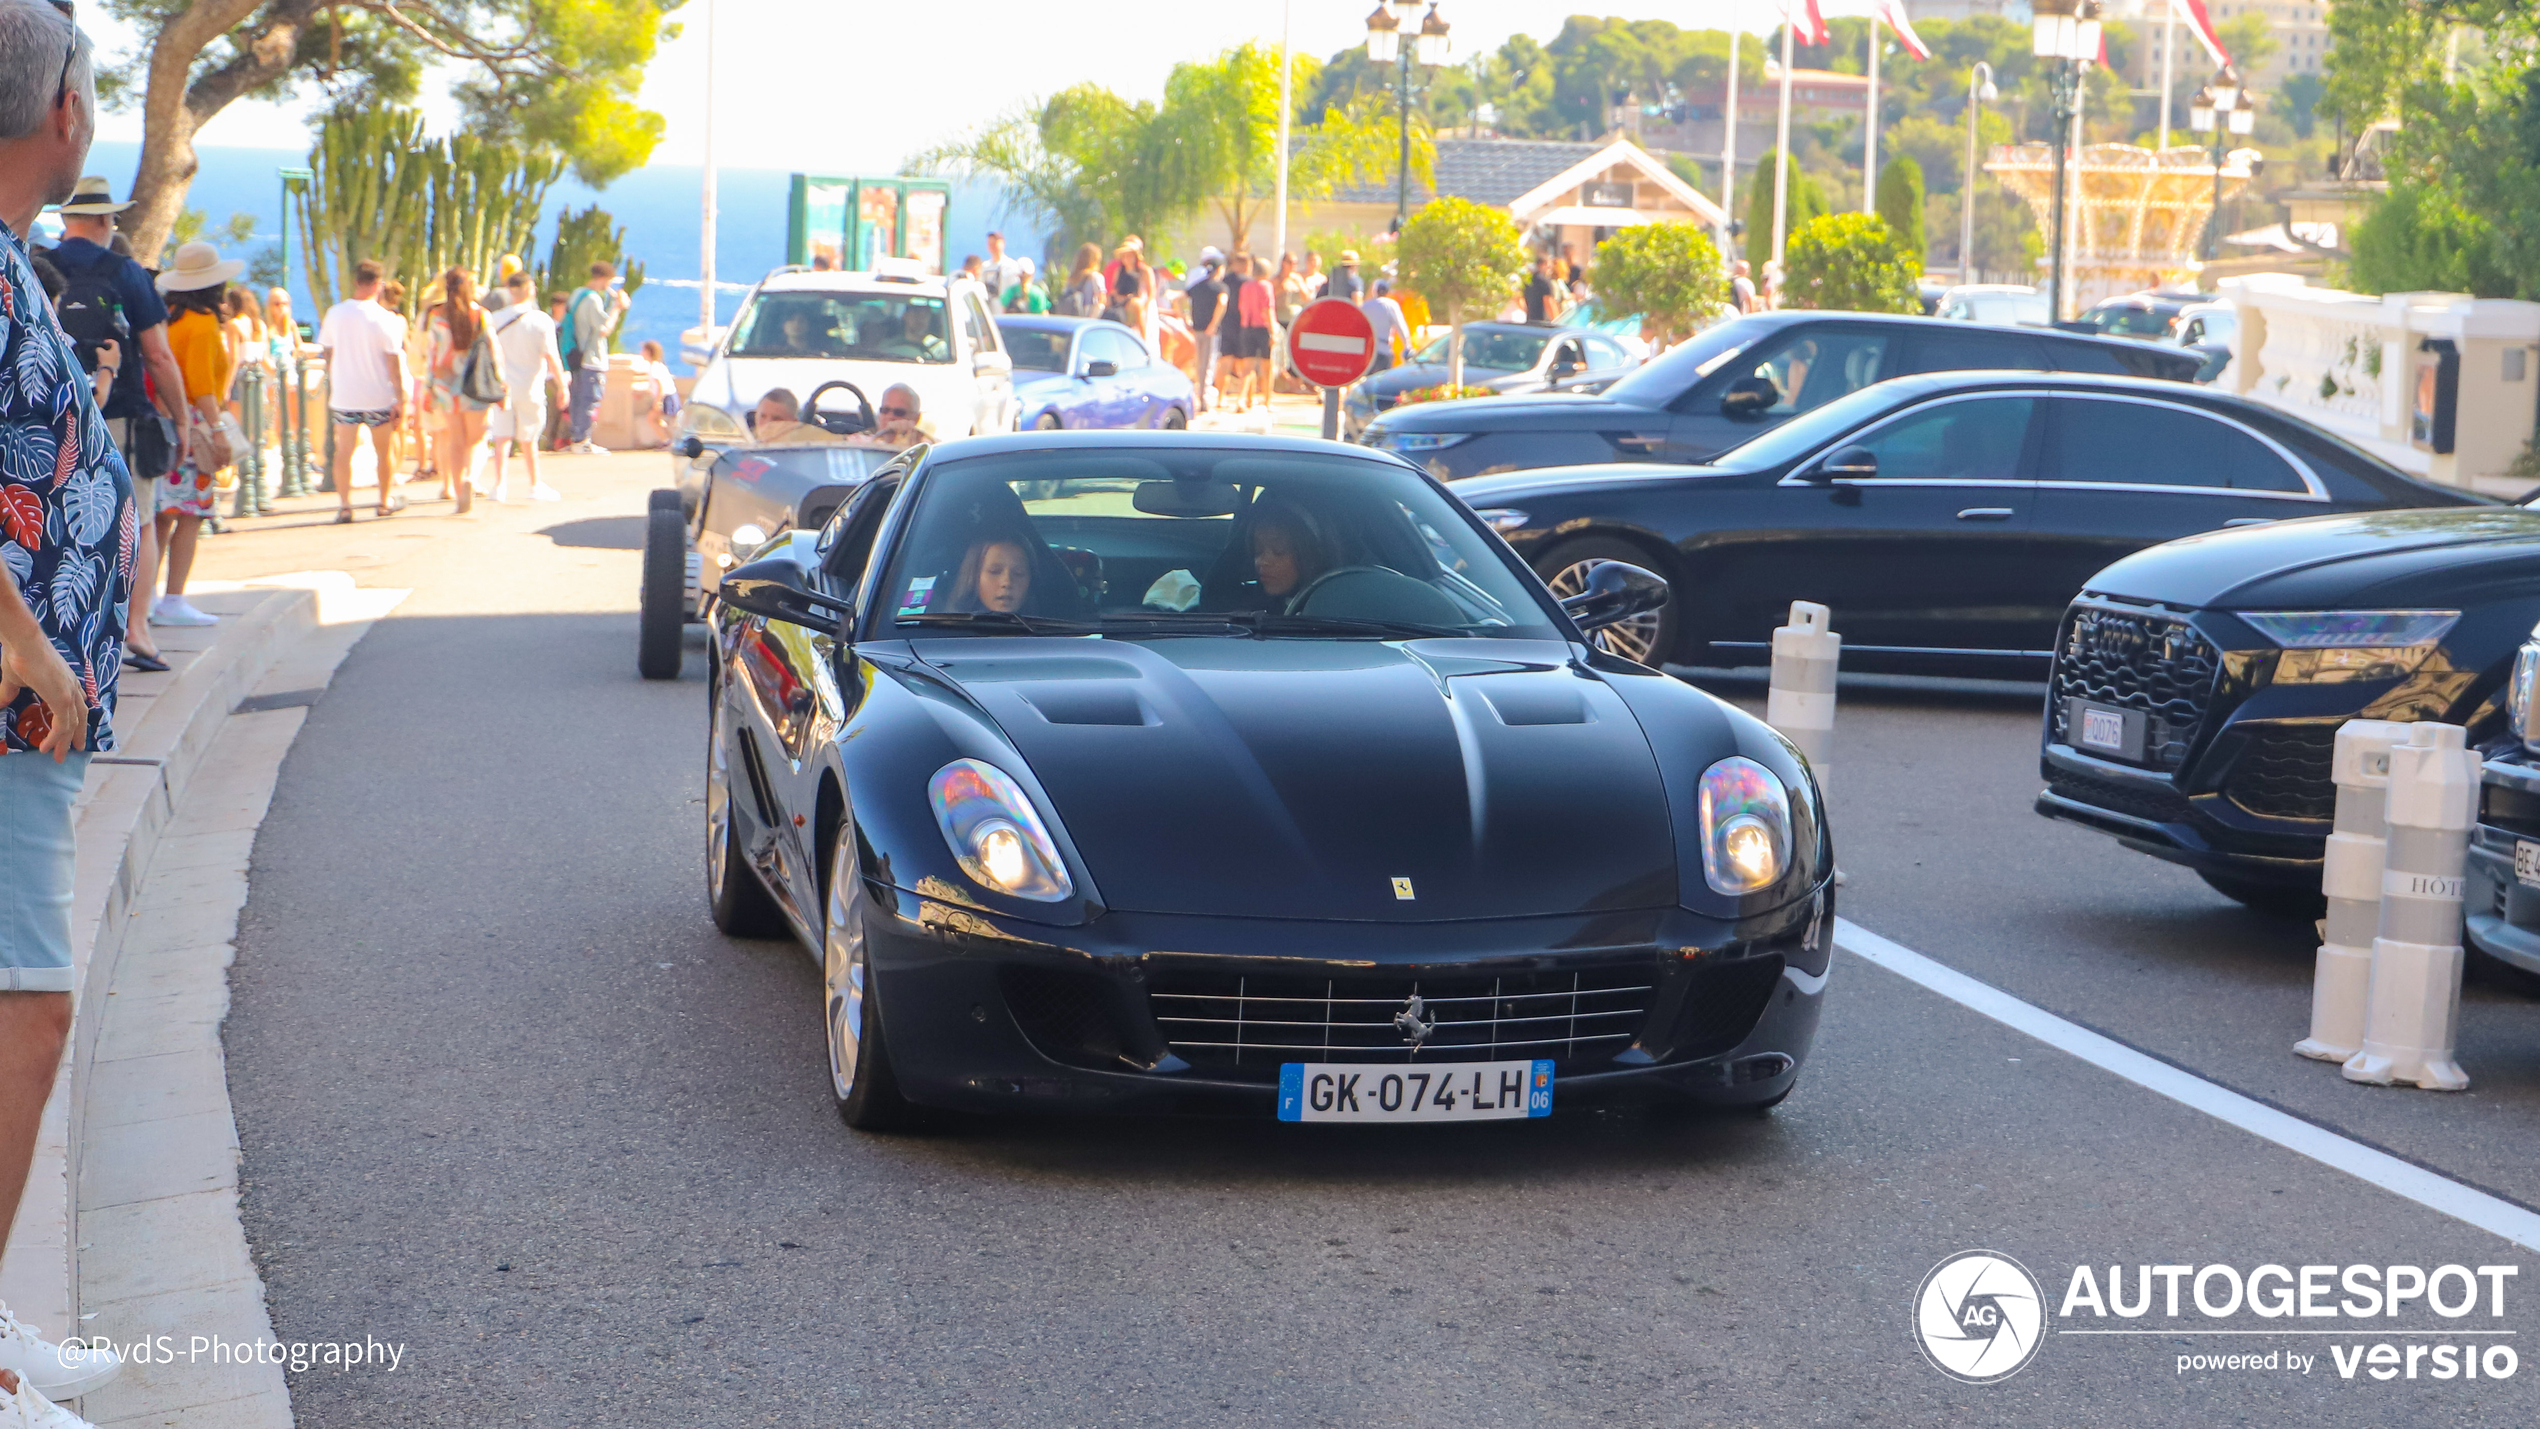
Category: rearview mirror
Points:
column 1749, row 398
column 1186, row 498
column 1850, row 464
column 778, row 588
column 1102, row 367
column 1616, row 591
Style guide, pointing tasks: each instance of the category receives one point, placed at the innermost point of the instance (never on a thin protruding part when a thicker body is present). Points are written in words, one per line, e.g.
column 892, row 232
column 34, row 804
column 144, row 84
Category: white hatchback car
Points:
column 800, row 328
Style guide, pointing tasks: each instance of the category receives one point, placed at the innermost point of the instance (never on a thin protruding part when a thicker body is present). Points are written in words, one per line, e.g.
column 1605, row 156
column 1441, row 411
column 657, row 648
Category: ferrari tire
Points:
column 660, row 615
column 741, row 905
column 860, row 1073
column 1647, row 639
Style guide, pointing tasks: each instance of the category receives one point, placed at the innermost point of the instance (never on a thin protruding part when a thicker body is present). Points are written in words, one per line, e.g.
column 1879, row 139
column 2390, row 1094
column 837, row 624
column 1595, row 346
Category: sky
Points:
column 805, row 87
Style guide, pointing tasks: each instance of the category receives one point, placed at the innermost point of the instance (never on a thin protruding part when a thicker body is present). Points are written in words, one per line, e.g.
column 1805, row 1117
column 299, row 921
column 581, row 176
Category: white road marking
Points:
column 2380, row 1168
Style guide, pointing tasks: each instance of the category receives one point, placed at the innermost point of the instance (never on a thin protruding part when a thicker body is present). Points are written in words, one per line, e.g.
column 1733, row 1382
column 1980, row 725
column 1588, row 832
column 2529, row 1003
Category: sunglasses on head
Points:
column 70, row 54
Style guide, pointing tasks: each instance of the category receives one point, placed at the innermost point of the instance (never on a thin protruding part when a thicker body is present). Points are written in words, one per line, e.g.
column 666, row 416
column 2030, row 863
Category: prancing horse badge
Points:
column 1402, row 889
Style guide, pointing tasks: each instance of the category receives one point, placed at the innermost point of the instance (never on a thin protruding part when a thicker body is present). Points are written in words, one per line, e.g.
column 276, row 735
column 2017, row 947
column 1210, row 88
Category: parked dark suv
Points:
column 2198, row 686
column 1734, row 383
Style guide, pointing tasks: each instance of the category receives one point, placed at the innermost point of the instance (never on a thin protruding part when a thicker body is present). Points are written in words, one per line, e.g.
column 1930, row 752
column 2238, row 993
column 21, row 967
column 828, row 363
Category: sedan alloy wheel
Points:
column 1635, row 639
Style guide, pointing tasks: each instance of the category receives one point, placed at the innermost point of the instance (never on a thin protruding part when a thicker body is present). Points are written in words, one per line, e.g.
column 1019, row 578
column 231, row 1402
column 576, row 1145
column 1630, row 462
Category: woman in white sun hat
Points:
column 196, row 286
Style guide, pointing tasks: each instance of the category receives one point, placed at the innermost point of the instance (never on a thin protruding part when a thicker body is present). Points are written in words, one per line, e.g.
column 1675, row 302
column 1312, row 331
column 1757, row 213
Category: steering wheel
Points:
column 1297, row 603
column 840, row 424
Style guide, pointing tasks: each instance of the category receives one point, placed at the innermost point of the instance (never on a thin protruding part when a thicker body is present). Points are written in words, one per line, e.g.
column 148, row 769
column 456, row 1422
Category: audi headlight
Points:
column 2525, row 685
column 1745, row 819
column 2327, row 647
column 708, row 422
column 1504, row 519
column 1421, row 441
column 995, row 833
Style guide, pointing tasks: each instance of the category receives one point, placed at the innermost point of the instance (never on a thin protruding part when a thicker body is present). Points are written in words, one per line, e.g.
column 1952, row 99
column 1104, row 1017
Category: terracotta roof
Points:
column 1492, row 171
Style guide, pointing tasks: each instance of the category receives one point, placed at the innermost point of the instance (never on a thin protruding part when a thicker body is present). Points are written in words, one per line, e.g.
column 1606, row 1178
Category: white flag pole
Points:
column 2169, row 70
column 1728, row 131
column 1870, row 130
column 1279, row 224
column 1781, row 151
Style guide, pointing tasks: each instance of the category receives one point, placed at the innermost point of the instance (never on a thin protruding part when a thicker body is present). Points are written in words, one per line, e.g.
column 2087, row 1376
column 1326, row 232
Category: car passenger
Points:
column 901, row 420
column 995, row 574
column 807, row 336
column 920, row 338
column 778, row 421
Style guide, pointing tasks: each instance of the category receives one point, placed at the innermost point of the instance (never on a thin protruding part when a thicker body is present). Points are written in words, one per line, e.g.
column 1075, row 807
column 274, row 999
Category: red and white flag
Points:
column 1807, row 27
column 1893, row 12
column 2194, row 13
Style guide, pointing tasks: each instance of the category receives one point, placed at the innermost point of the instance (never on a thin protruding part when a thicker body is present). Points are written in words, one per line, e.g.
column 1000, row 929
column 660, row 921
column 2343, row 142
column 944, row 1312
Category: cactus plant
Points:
column 416, row 206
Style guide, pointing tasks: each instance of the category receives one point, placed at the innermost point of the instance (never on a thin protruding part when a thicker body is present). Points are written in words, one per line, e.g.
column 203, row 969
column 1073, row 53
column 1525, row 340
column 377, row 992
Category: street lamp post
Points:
column 1980, row 92
column 2067, row 33
column 1428, row 48
column 2223, row 109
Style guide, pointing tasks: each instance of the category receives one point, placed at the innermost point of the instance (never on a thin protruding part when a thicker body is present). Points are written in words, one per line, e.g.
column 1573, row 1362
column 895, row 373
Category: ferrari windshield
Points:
column 869, row 327
column 1159, row 540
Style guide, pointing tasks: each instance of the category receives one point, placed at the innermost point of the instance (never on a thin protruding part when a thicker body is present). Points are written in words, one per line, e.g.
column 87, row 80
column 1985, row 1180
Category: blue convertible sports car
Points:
column 1084, row 372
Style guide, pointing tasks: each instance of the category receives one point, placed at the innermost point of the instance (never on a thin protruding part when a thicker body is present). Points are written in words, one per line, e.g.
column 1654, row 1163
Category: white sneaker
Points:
column 588, row 449
column 543, row 492
column 50, row 1369
column 177, row 610
column 27, row 1409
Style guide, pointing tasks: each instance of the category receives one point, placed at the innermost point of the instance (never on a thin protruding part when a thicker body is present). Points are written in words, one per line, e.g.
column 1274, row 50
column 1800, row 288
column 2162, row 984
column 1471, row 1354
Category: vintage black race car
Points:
column 1170, row 771
column 731, row 500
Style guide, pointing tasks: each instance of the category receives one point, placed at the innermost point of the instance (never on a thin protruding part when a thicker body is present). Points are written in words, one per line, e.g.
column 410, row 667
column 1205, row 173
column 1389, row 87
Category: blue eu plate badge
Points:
column 1441, row 1092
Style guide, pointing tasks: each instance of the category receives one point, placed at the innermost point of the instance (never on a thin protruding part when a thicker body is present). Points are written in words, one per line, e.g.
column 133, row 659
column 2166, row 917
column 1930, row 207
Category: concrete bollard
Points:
column 2413, row 1009
column 2351, row 877
column 1801, row 704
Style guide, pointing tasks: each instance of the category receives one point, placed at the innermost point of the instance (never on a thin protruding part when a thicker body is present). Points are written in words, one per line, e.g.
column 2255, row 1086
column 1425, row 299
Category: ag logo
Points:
column 1979, row 1316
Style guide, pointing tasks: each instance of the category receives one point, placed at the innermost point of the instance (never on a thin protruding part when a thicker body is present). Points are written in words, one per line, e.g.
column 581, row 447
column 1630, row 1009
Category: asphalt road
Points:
column 506, row 1097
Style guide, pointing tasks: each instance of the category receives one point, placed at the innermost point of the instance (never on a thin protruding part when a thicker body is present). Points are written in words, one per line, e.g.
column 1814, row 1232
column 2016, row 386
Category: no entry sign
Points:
column 1332, row 343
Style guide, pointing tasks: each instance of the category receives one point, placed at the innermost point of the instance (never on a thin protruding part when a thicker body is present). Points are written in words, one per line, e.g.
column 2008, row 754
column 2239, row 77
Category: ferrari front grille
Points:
column 1253, row 1023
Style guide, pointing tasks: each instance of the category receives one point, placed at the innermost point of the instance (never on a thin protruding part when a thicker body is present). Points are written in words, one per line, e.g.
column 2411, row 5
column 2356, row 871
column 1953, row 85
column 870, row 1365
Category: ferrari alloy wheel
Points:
column 739, row 902
column 860, row 1073
column 1644, row 639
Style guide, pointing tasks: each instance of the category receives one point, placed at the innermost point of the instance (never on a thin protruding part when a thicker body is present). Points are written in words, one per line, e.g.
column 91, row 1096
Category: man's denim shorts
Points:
column 35, row 849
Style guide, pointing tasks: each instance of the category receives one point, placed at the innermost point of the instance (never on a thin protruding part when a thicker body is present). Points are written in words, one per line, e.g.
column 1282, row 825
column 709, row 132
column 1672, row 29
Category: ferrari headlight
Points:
column 708, row 422
column 1504, row 519
column 2525, row 685
column 995, row 833
column 2329, row 647
column 1745, row 819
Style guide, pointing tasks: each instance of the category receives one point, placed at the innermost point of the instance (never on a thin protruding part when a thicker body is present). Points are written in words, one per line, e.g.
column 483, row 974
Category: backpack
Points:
column 92, row 313
column 481, row 376
column 572, row 335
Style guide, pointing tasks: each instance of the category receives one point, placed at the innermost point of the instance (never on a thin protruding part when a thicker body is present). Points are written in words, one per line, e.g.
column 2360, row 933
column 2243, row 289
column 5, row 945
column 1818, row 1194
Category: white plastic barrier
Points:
column 2351, row 877
column 2413, row 1010
column 1801, row 702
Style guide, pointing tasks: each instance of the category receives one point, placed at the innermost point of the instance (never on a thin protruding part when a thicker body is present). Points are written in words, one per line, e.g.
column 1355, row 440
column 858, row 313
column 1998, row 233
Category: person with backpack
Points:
column 526, row 340
column 589, row 319
column 107, row 297
column 466, row 379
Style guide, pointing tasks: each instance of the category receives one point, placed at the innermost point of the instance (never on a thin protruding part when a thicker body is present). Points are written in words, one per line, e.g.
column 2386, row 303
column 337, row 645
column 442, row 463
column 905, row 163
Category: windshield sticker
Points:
column 920, row 591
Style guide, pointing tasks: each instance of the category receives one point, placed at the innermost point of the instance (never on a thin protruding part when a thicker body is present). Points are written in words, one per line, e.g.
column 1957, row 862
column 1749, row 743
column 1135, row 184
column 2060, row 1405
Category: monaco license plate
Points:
column 2527, row 863
column 1447, row 1092
column 2103, row 729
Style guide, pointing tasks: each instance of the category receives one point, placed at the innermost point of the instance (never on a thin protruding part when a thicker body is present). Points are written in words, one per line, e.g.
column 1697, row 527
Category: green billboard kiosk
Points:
column 852, row 221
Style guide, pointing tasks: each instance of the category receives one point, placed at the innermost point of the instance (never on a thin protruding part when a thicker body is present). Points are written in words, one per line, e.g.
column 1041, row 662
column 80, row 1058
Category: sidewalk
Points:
column 130, row 1224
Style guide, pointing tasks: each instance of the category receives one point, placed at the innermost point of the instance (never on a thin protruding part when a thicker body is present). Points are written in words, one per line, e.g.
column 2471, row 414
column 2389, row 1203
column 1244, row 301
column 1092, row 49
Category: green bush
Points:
column 1901, row 205
column 1668, row 275
column 1849, row 261
column 1464, row 258
column 2420, row 238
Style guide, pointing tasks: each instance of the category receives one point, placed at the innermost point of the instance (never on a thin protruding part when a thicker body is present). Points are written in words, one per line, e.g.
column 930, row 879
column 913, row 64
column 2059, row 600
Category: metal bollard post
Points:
column 295, row 434
column 251, row 461
column 2351, row 877
column 2413, row 1010
column 1801, row 702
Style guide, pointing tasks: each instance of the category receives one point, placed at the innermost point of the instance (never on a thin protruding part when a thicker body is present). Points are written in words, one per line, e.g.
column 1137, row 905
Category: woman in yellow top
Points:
column 195, row 285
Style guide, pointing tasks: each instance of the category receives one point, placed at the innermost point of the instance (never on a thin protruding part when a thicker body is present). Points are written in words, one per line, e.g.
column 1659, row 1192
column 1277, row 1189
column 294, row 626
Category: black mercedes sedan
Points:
column 1947, row 519
column 1177, row 771
column 1504, row 357
column 2198, row 686
column 1735, row 382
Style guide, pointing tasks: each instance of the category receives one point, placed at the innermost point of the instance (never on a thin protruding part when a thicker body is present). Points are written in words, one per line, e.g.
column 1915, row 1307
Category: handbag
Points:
column 481, row 380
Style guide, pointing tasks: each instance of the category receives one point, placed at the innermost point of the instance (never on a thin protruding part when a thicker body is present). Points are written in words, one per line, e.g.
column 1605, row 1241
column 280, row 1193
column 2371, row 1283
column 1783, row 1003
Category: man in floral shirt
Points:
column 67, row 525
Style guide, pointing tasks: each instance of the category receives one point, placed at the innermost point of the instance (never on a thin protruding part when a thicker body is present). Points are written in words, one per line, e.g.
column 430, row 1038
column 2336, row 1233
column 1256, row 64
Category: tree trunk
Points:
column 175, row 105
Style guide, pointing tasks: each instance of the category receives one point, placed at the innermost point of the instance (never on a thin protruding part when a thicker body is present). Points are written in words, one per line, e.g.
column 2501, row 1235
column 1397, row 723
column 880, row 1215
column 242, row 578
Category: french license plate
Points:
column 1446, row 1092
column 2102, row 729
column 2527, row 863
